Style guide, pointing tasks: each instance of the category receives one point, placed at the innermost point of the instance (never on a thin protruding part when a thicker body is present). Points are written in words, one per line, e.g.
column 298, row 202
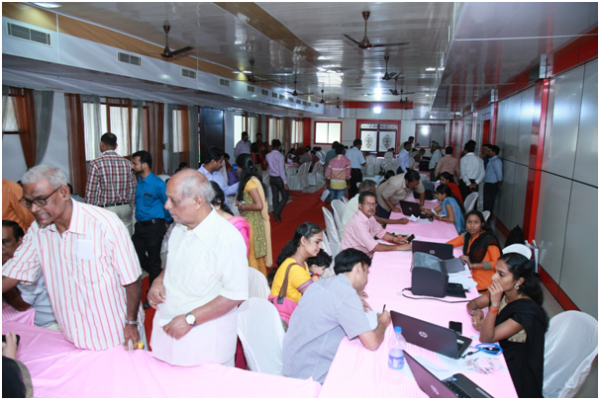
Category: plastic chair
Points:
column 469, row 202
column 345, row 200
column 332, row 232
column 294, row 181
column 303, row 175
column 164, row 177
column 571, row 346
column 370, row 159
column 329, row 271
column 517, row 248
column 312, row 176
column 486, row 214
column 257, row 284
column 261, row 333
column 338, row 207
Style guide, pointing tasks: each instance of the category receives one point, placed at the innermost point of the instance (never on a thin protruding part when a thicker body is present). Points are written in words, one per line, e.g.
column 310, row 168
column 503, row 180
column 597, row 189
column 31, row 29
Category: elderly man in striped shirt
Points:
column 92, row 272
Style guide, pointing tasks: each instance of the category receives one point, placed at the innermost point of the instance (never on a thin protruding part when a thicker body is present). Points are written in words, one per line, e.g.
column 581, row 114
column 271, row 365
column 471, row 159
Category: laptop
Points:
column 409, row 208
column 430, row 336
column 457, row 385
column 440, row 250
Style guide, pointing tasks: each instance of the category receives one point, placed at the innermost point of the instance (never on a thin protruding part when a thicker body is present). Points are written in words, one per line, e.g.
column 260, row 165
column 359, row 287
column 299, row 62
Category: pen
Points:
column 384, row 307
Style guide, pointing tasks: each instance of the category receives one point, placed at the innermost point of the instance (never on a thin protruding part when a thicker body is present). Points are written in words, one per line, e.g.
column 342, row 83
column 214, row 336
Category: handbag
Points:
column 284, row 305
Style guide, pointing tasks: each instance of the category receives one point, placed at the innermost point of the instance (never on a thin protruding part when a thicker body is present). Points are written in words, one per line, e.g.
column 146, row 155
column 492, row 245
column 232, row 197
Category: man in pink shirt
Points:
column 361, row 230
column 447, row 164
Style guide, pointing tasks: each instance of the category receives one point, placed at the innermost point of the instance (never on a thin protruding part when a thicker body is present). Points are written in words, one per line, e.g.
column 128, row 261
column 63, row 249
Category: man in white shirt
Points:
column 472, row 171
column 357, row 161
column 404, row 159
column 211, row 169
column 436, row 155
column 243, row 146
column 206, row 278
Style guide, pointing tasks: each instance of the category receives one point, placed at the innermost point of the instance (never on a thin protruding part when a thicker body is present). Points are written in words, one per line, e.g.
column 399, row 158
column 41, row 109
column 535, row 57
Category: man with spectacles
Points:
column 362, row 229
column 110, row 182
column 94, row 275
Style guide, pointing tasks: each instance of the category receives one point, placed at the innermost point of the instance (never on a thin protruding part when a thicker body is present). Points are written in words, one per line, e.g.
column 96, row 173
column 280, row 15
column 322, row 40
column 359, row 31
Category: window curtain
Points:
column 5, row 92
column 287, row 125
column 137, row 126
column 194, row 150
column 153, row 134
column 43, row 104
column 92, row 125
column 124, row 121
column 76, row 141
column 172, row 156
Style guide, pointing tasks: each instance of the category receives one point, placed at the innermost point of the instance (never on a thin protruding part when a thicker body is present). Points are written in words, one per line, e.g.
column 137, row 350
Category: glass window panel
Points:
column 335, row 133
column 11, row 117
column 238, row 128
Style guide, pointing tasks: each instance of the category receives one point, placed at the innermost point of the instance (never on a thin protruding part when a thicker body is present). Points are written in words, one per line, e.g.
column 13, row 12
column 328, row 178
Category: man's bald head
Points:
column 189, row 195
column 191, row 183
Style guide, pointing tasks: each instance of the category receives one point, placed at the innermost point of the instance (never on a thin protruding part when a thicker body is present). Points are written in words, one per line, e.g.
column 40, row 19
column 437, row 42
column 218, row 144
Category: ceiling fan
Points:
column 365, row 44
column 387, row 75
column 167, row 53
column 395, row 91
column 295, row 93
column 251, row 78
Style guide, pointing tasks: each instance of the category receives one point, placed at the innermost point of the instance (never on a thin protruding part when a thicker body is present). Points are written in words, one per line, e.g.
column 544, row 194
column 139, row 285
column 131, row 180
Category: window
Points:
column 296, row 131
column 239, row 126
column 377, row 136
column 328, row 132
column 252, row 128
column 427, row 133
column 178, row 134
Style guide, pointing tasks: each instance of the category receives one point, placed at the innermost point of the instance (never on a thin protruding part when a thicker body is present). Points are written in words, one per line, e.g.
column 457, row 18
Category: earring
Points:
column 517, row 286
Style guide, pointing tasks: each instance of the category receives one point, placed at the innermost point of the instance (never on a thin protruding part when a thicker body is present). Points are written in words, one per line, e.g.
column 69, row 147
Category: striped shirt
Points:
column 110, row 180
column 329, row 310
column 338, row 171
column 359, row 233
column 85, row 270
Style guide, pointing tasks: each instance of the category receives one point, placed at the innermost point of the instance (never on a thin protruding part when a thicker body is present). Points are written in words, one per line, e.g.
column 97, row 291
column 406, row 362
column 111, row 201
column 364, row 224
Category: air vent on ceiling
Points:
column 251, row 89
column 291, row 99
column 130, row 59
column 274, row 95
column 309, row 104
column 188, row 73
column 298, row 101
column 316, row 106
column 265, row 92
column 281, row 97
column 21, row 32
column 224, row 82
column 304, row 103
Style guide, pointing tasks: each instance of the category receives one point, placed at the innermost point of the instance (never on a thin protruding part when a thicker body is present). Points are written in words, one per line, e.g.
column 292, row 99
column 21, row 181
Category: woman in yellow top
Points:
column 306, row 243
column 480, row 249
column 252, row 204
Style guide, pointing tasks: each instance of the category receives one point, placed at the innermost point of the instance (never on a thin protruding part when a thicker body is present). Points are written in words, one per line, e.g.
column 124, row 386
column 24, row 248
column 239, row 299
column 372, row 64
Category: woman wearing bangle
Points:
column 517, row 320
column 450, row 210
column 480, row 249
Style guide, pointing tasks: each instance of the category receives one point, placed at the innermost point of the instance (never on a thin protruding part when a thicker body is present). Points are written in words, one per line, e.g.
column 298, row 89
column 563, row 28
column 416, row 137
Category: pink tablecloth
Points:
column 437, row 231
column 58, row 369
column 10, row 314
column 358, row 372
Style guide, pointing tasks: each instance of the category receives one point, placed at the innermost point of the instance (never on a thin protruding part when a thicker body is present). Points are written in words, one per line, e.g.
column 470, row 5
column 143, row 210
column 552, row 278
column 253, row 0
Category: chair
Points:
column 164, row 177
column 486, row 214
column 332, row 232
column 345, row 200
column 257, row 284
column 312, row 176
column 303, row 175
column 370, row 159
column 268, row 192
column 571, row 346
column 329, row 271
column 517, row 248
column 294, row 181
column 261, row 333
column 338, row 212
column 470, row 200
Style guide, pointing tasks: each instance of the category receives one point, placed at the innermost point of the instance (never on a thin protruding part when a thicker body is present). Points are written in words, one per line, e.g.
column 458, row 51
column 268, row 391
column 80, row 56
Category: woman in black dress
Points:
column 516, row 320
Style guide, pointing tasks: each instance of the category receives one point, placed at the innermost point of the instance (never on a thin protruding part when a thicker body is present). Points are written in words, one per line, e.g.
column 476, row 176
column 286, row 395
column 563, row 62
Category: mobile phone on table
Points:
column 456, row 327
column 18, row 339
column 410, row 238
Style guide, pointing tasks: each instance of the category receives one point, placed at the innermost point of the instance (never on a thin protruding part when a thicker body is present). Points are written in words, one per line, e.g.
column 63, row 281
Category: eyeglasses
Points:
column 41, row 202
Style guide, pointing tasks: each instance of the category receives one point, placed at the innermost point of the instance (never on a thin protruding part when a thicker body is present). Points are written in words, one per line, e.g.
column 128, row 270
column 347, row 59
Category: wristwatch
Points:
column 190, row 319
column 128, row 322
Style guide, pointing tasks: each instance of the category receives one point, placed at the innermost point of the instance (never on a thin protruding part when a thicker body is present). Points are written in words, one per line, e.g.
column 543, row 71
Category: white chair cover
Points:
column 257, row 284
column 261, row 333
column 266, row 178
column 345, row 200
column 313, row 177
column 304, row 175
column 370, row 159
column 329, row 272
column 332, row 232
column 294, row 180
column 470, row 201
column 164, row 177
column 338, row 211
column 519, row 249
column 571, row 346
column 486, row 214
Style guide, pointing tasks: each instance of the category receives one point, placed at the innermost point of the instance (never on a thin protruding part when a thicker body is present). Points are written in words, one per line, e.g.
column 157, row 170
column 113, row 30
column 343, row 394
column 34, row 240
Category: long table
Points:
column 358, row 372
column 59, row 369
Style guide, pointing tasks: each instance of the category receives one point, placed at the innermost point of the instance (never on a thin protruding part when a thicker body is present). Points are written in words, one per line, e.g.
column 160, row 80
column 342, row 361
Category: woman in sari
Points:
column 306, row 243
column 252, row 204
column 480, row 249
column 448, row 179
column 450, row 210
column 516, row 320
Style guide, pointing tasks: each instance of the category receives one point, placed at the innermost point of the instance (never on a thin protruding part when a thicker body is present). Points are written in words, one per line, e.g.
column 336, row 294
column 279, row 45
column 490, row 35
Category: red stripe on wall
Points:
column 560, row 296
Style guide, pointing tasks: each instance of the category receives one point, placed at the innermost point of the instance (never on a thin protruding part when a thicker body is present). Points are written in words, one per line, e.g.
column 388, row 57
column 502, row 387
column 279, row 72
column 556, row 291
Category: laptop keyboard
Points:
column 458, row 391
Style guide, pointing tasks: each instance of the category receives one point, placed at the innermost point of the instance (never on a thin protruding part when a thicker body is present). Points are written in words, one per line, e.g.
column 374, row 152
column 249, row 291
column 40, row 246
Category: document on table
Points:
column 421, row 220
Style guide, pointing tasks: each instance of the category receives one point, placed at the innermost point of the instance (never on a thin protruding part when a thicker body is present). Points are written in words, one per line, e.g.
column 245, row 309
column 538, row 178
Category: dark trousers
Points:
column 465, row 190
column 490, row 190
column 148, row 239
column 355, row 177
column 382, row 212
column 277, row 187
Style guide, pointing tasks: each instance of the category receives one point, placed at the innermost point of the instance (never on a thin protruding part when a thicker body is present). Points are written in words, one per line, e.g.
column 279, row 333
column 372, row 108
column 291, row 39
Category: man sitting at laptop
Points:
column 328, row 311
column 398, row 188
column 361, row 230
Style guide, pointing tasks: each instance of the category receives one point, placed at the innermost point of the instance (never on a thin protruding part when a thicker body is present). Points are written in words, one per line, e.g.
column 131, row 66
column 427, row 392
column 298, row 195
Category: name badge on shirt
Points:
column 85, row 249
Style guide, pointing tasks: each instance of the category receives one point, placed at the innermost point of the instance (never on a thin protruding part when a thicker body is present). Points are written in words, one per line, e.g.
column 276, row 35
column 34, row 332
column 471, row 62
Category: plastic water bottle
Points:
column 396, row 346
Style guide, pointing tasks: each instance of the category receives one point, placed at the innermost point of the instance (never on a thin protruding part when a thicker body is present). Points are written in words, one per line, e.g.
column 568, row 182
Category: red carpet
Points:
column 304, row 207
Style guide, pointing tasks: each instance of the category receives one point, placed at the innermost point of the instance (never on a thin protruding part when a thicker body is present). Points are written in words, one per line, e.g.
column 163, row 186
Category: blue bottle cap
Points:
column 397, row 330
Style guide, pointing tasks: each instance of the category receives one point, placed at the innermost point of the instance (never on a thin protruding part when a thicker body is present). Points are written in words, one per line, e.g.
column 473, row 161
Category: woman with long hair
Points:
column 446, row 178
column 450, row 210
column 306, row 243
column 252, row 204
column 240, row 223
column 480, row 249
column 516, row 320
